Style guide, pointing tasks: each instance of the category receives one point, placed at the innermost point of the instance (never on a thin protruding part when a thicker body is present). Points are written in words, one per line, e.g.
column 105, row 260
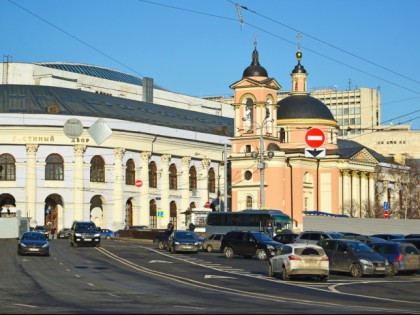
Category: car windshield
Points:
column 336, row 235
column 86, row 226
column 262, row 237
column 186, row 235
column 33, row 237
column 40, row 228
column 357, row 247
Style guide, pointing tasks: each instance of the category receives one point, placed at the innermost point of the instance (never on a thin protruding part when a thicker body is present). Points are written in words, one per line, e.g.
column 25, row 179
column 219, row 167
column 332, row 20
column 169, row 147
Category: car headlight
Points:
column 270, row 247
column 197, row 243
column 97, row 235
column 45, row 246
column 22, row 245
column 78, row 234
column 176, row 243
column 366, row 262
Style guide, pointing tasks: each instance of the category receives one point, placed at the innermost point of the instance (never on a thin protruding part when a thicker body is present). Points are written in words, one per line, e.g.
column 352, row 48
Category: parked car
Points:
column 249, row 244
column 33, row 243
column 354, row 257
column 412, row 236
column 414, row 241
column 299, row 260
column 84, row 233
column 403, row 257
column 42, row 229
column 106, row 233
column 387, row 236
column 313, row 237
column 285, row 238
column 183, row 241
column 363, row 238
column 212, row 242
column 63, row 233
column 138, row 227
column 161, row 239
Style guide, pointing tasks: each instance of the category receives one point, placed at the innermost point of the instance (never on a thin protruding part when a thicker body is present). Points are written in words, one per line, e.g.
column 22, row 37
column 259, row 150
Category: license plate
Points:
column 380, row 268
column 33, row 249
column 88, row 239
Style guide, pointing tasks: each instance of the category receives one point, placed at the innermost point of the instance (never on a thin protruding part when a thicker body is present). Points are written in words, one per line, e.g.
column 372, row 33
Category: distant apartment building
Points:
column 355, row 110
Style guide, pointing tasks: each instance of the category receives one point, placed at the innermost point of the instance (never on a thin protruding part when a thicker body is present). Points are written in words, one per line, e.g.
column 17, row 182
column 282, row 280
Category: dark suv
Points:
column 249, row 244
column 84, row 233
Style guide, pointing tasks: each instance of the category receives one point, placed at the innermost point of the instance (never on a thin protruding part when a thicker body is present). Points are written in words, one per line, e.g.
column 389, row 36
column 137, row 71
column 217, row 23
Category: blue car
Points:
column 403, row 257
column 105, row 233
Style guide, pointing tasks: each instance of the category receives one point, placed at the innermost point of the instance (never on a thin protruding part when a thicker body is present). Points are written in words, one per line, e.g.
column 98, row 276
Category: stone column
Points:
column 119, row 208
column 355, row 195
column 364, row 193
column 31, row 205
column 185, row 193
column 164, row 192
column 346, row 191
column 372, row 189
column 144, row 190
column 78, row 182
column 203, row 183
column 221, row 185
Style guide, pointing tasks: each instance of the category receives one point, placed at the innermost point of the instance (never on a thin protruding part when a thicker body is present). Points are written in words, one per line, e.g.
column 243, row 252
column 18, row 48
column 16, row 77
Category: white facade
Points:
column 31, row 138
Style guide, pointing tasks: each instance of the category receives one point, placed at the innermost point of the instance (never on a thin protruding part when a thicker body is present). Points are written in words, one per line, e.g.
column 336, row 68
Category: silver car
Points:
column 212, row 242
column 302, row 260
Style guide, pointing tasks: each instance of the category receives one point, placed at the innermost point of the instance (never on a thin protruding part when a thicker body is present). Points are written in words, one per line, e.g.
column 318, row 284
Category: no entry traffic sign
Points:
column 386, row 214
column 139, row 183
column 314, row 137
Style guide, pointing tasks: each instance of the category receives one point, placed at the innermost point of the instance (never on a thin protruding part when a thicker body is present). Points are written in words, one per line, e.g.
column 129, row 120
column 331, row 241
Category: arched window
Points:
column 173, row 214
column 152, row 214
column 249, row 202
column 212, row 181
column 54, row 167
column 130, row 172
column 7, row 167
column 97, row 169
column 193, row 178
column 152, row 175
column 173, row 178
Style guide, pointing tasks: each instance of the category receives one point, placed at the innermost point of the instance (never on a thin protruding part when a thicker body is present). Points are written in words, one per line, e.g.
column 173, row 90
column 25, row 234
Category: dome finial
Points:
column 299, row 54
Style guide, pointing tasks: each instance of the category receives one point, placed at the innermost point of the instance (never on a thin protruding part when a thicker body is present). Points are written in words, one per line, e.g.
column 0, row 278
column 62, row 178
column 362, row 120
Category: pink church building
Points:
column 273, row 167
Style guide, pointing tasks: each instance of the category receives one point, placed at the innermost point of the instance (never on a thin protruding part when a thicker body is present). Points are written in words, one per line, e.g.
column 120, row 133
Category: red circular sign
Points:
column 207, row 204
column 139, row 183
column 314, row 137
column 386, row 214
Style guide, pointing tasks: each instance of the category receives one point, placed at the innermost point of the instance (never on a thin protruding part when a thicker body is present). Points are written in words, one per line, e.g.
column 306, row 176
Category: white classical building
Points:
column 144, row 155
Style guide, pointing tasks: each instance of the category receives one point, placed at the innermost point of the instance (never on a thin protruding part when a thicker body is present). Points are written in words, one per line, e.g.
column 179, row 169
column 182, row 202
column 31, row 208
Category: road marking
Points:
column 217, row 277
column 160, row 261
column 26, row 305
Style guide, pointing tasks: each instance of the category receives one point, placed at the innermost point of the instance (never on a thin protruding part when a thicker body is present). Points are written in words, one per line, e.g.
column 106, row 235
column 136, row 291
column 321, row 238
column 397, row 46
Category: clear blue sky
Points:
column 199, row 47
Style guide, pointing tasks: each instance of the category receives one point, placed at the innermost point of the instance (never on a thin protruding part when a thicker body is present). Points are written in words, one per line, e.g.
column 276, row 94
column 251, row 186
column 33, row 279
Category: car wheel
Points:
column 284, row 274
column 161, row 246
column 356, row 270
column 391, row 271
column 229, row 253
column 261, row 254
column 323, row 278
column 209, row 249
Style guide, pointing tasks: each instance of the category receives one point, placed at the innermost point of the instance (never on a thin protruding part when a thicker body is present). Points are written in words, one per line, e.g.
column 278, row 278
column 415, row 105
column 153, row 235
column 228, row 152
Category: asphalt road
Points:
column 124, row 276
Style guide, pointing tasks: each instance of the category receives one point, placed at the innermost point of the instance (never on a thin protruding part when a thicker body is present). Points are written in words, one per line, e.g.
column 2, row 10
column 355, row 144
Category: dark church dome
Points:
column 255, row 69
column 303, row 106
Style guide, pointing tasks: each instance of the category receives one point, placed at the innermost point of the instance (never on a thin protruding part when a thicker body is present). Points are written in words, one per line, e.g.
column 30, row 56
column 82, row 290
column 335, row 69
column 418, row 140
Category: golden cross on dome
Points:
column 299, row 37
column 255, row 40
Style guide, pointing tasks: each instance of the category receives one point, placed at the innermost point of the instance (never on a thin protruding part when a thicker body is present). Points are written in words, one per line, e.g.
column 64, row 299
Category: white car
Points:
column 306, row 260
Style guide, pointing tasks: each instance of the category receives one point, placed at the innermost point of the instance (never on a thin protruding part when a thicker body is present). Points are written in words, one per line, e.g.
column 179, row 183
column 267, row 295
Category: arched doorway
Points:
column 53, row 212
column 96, row 210
column 7, row 205
column 129, row 213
